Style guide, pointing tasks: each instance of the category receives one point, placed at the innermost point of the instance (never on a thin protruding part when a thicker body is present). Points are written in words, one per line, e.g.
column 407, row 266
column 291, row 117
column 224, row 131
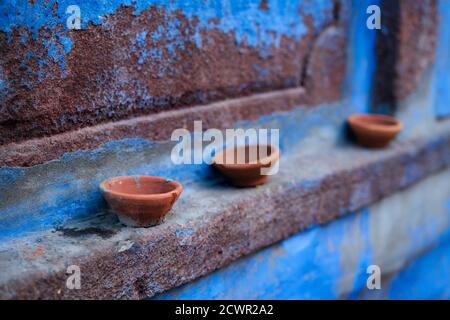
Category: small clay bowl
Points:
column 246, row 172
column 140, row 201
column 374, row 130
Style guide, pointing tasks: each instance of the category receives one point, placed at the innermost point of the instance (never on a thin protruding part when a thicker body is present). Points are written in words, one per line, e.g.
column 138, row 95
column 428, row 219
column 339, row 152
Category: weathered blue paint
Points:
column 416, row 282
column 58, row 48
column 361, row 57
column 441, row 81
column 49, row 200
column 183, row 235
column 281, row 19
column 264, row 29
column 3, row 84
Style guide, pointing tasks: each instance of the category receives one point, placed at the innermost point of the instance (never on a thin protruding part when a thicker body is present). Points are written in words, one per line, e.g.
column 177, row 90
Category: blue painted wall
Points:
column 39, row 210
column 249, row 24
column 441, row 84
column 361, row 63
column 52, row 203
column 417, row 282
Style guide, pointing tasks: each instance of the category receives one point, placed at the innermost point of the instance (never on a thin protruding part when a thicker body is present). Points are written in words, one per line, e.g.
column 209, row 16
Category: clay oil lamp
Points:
column 245, row 166
column 374, row 130
column 140, row 201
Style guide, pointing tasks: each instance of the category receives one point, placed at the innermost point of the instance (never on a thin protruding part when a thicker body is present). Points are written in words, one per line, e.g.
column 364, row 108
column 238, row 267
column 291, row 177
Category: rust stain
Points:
column 37, row 253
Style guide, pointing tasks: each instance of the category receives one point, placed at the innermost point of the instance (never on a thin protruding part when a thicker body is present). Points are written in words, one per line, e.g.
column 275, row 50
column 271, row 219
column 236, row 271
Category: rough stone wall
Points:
column 151, row 55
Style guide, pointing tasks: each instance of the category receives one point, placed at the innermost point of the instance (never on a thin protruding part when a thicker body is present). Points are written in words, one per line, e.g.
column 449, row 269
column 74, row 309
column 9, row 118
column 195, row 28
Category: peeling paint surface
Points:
column 152, row 55
column 265, row 26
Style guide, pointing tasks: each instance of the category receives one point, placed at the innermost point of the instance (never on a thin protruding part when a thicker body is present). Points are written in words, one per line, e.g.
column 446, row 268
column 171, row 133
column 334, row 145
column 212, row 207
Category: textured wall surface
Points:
column 133, row 59
column 136, row 71
column 441, row 79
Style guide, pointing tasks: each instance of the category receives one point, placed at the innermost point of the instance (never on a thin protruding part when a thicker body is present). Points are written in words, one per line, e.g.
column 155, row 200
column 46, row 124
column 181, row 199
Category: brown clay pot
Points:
column 374, row 130
column 246, row 173
column 140, row 201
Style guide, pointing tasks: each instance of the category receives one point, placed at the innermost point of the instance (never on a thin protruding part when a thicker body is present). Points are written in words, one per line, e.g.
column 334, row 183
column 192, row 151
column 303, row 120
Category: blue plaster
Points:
column 291, row 133
column 441, row 80
column 361, row 58
column 3, row 85
column 243, row 18
column 24, row 38
column 429, row 229
column 141, row 46
column 58, row 48
column 9, row 175
column 183, row 235
column 66, row 43
column 426, row 278
column 366, row 257
column 255, row 277
column 184, row 232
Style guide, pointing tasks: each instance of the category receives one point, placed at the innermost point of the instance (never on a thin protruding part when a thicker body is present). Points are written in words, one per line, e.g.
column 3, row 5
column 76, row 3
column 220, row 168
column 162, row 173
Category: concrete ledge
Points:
column 155, row 127
column 330, row 261
column 211, row 227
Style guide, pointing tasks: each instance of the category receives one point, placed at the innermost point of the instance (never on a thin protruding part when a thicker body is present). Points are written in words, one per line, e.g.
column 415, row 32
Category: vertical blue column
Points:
column 441, row 83
column 361, row 57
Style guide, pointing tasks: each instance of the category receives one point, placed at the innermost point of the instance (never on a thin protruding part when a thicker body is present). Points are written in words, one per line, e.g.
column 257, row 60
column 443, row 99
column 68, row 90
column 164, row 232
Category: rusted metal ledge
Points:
column 211, row 226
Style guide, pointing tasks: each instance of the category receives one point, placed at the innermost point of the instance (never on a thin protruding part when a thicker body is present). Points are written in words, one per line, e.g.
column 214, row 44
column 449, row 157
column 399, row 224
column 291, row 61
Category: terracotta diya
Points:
column 245, row 166
column 374, row 130
column 140, row 201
